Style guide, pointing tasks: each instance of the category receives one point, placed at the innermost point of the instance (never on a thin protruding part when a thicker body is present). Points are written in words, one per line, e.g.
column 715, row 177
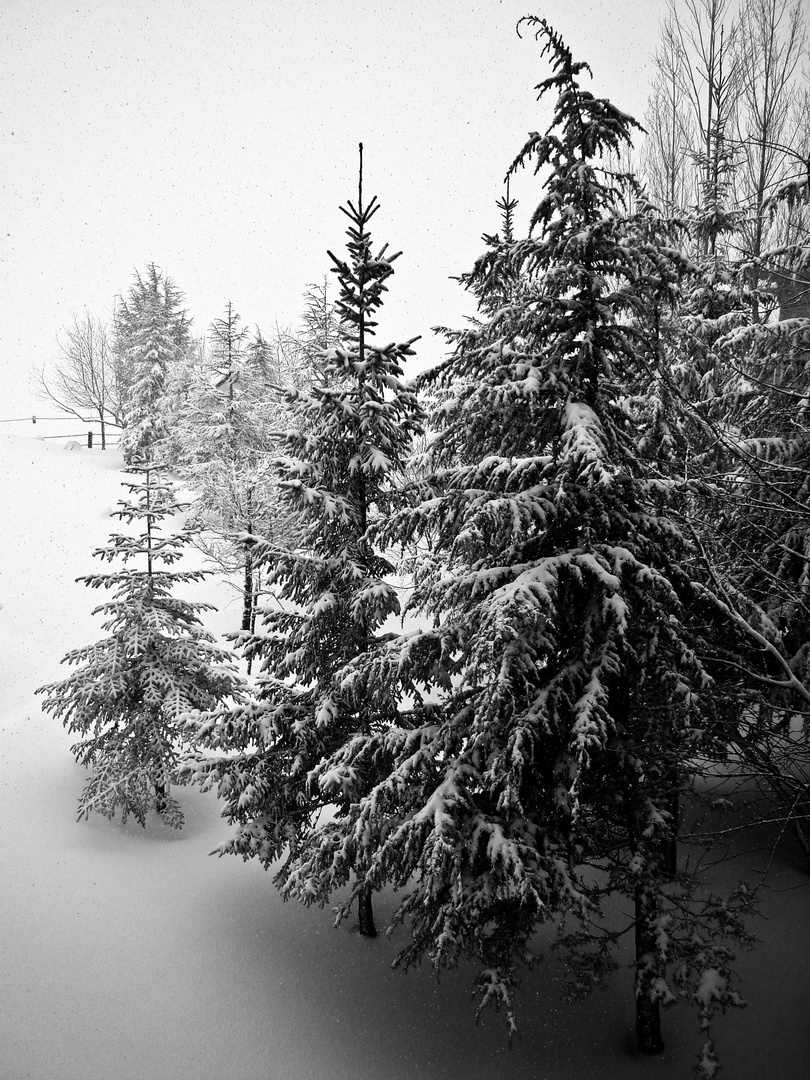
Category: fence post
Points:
column 89, row 440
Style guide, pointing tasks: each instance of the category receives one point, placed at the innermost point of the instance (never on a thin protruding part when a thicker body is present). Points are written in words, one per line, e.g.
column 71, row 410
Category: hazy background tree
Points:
column 86, row 376
column 664, row 156
column 151, row 339
column 300, row 352
column 772, row 50
column 225, row 432
column 692, row 103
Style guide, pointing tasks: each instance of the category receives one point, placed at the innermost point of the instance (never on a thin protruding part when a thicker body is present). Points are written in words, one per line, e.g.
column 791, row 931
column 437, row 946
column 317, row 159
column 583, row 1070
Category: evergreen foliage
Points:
column 301, row 354
column 741, row 372
column 547, row 715
column 152, row 335
column 756, row 541
column 609, row 550
column 224, row 433
column 224, row 421
column 128, row 689
column 608, row 528
column 329, row 597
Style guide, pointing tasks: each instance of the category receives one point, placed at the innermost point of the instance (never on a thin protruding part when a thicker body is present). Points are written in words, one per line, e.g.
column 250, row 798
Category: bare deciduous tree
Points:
column 772, row 42
column 692, row 104
column 85, row 376
column 666, row 165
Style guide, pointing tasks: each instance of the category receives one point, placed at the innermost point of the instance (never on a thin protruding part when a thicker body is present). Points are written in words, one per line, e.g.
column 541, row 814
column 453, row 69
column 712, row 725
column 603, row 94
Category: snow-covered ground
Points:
column 129, row 954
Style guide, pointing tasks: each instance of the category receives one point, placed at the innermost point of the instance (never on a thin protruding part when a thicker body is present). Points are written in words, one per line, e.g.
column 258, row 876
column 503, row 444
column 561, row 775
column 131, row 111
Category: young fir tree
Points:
column 223, row 429
column 128, row 689
column 557, row 690
column 328, row 597
column 152, row 335
column 261, row 359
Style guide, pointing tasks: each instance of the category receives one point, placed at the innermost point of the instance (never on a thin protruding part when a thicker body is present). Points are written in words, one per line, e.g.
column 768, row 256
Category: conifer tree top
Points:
column 363, row 280
column 588, row 125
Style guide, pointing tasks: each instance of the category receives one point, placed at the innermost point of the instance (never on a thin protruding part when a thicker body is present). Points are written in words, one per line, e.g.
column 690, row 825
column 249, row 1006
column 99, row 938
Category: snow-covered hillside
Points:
column 129, row 954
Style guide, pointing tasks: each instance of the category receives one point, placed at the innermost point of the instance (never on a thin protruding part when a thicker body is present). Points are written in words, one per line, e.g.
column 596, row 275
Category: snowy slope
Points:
column 130, row 955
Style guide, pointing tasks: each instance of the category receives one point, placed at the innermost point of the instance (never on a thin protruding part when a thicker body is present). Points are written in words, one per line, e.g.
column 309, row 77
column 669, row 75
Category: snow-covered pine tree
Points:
column 128, row 689
column 557, row 685
column 261, row 360
column 328, row 599
column 152, row 335
column 210, row 419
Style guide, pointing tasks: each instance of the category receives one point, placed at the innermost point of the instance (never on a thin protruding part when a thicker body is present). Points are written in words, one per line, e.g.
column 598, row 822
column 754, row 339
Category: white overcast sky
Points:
column 218, row 138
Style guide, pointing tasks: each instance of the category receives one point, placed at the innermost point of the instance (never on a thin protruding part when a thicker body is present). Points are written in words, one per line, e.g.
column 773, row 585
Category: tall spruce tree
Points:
column 128, row 690
column 556, row 695
column 329, row 597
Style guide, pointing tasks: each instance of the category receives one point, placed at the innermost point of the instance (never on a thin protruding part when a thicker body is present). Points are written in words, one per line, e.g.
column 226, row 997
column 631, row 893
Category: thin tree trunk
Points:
column 669, row 848
column 365, row 913
column 800, row 821
column 364, row 907
column 160, row 798
column 255, row 600
column 247, row 592
column 249, row 587
column 648, row 1011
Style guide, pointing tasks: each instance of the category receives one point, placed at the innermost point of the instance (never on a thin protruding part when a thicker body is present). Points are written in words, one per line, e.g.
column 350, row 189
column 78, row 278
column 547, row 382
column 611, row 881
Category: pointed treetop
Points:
column 507, row 207
column 362, row 277
column 360, row 181
column 562, row 60
column 589, row 127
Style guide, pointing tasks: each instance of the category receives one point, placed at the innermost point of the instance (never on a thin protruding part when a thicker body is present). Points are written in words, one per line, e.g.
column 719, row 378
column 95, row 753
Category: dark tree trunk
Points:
column 365, row 913
column 800, row 820
column 247, row 593
column 253, row 608
column 255, row 601
column 160, row 798
column 248, row 587
column 648, row 1012
column 669, row 847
